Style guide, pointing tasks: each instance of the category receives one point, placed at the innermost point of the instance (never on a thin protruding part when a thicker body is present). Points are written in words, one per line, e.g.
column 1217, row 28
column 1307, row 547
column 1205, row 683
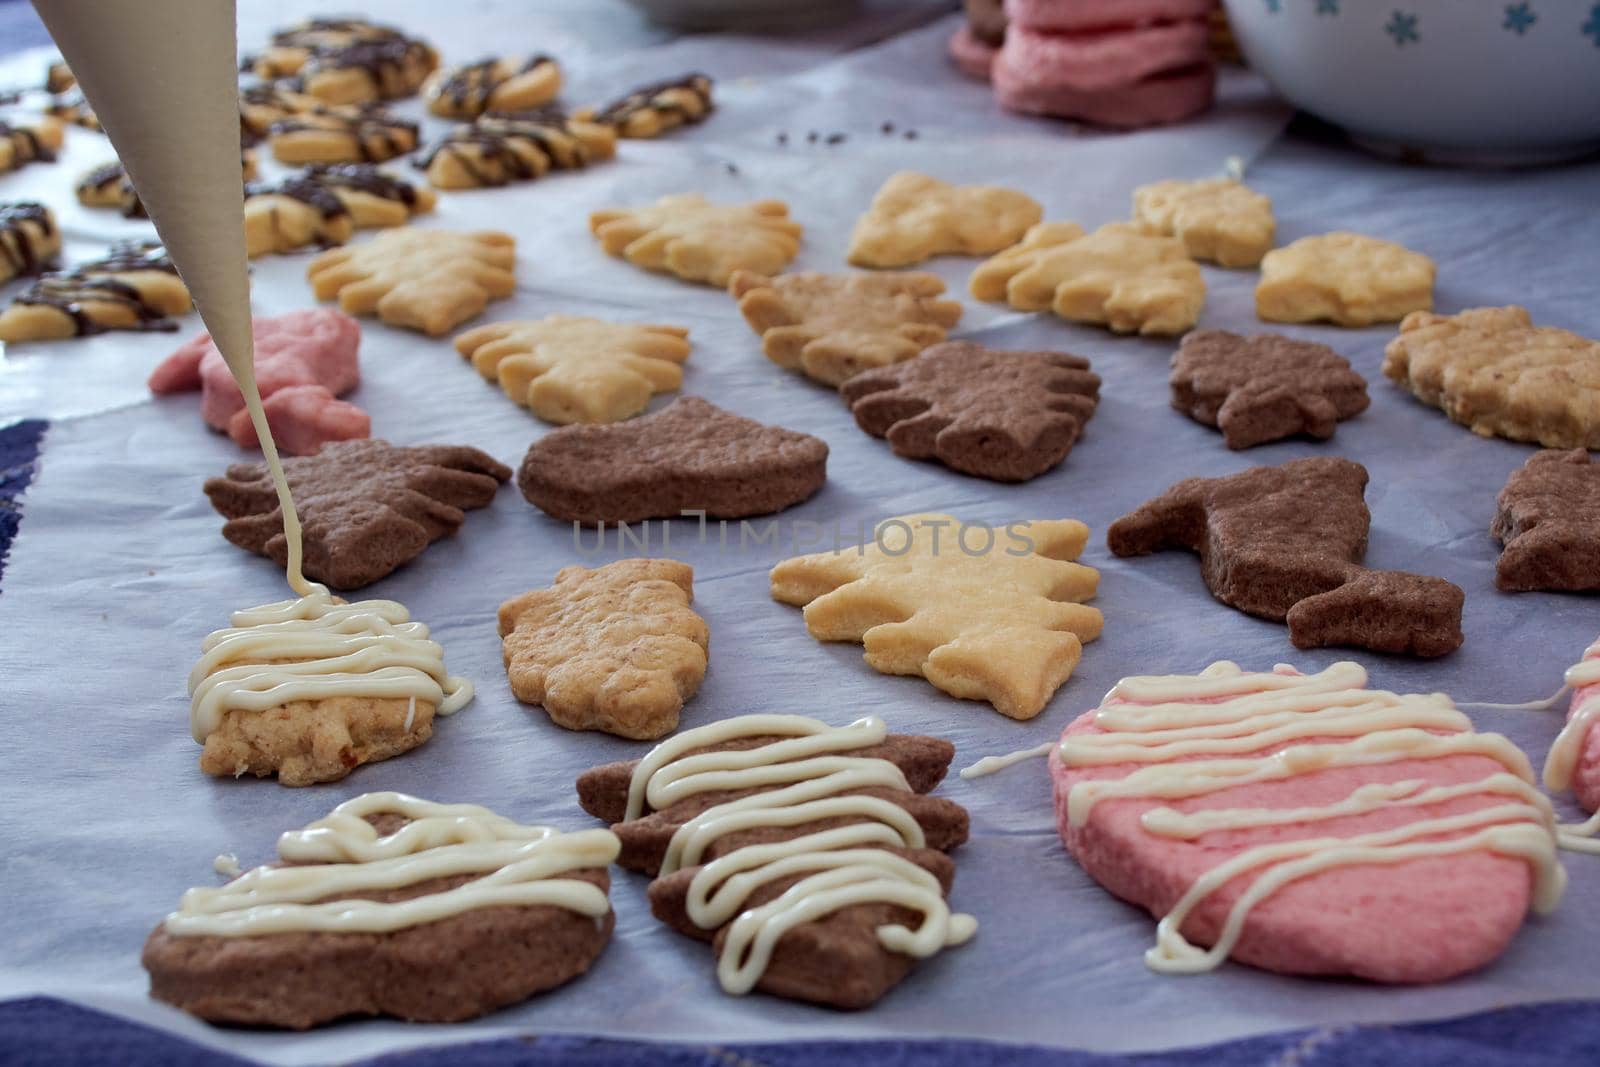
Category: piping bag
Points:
column 162, row 76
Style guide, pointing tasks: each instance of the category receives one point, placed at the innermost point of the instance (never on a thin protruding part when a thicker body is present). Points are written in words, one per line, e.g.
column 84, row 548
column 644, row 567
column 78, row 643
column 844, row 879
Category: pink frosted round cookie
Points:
column 1100, row 61
column 1153, row 102
column 973, row 56
column 1430, row 877
column 1063, row 15
column 1574, row 761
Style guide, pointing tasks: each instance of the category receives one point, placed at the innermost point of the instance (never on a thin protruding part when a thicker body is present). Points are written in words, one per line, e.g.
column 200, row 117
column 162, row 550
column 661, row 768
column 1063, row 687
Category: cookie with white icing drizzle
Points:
column 1305, row 824
column 806, row 853
column 1574, row 759
column 390, row 905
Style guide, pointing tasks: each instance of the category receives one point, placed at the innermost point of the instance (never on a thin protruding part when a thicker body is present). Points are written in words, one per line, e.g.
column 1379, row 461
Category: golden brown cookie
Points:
column 74, row 108
column 26, row 142
column 1495, row 372
column 498, row 83
column 133, row 287
column 499, row 149
column 699, row 241
column 832, row 326
column 982, row 613
column 341, row 135
column 651, row 110
column 915, row 217
column 261, row 106
column 615, row 649
column 29, row 239
column 1344, row 278
column 1219, row 220
column 388, row 68
column 292, row 47
column 426, row 280
column 1118, row 277
column 569, row 368
column 325, row 205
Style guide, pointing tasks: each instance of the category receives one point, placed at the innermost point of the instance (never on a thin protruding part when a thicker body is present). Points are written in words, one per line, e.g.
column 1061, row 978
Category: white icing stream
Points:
column 342, row 855
column 843, row 866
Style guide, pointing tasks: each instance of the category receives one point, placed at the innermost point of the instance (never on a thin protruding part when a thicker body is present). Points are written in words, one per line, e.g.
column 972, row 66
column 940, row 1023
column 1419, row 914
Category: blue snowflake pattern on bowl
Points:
column 1519, row 18
column 1327, row 7
column 1273, row 6
column 1403, row 28
column 1592, row 27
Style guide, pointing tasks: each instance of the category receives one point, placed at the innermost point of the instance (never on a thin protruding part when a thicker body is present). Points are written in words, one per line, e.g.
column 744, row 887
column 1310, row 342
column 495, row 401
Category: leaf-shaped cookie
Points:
column 832, row 326
column 1118, row 277
column 998, row 414
column 914, row 217
column 699, row 241
column 366, row 507
column 983, row 614
column 616, row 649
column 427, row 280
column 569, row 368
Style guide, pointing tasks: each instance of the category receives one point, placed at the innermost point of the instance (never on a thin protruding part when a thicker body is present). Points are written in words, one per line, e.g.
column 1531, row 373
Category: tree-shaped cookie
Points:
column 134, row 286
column 915, row 217
column 982, row 613
column 1286, row 543
column 1264, row 388
column 427, row 280
column 699, row 241
column 998, row 414
column 832, row 326
column 1119, row 277
column 569, row 368
column 615, row 649
column 1219, row 220
column 498, row 149
column 1345, row 278
column 1495, row 372
column 1548, row 518
column 366, row 507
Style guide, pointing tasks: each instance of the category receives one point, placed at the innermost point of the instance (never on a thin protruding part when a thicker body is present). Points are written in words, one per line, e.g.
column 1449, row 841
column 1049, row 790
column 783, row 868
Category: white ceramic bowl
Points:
column 1472, row 81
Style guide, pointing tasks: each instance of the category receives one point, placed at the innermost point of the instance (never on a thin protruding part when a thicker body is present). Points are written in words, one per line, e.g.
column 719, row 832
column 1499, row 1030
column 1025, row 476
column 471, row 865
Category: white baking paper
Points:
column 119, row 570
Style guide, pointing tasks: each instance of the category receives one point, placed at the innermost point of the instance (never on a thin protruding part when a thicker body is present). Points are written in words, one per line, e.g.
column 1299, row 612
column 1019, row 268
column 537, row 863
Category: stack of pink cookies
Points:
column 1119, row 63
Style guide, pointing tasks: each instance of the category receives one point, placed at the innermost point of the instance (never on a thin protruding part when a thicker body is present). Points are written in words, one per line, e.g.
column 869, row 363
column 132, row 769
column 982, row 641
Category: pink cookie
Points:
column 1088, row 62
column 1415, row 919
column 973, row 56
column 1101, row 14
column 1154, row 102
column 316, row 347
column 303, row 418
column 1586, row 773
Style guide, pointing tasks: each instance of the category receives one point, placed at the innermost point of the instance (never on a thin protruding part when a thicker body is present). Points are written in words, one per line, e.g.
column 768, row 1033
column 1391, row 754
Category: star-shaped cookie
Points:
column 427, row 280
column 1345, row 278
column 366, row 507
column 615, row 649
column 568, row 368
column 982, row 613
column 1549, row 522
column 986, row 411
column 1495, row 372
column 699, row 241
column 1219, row 220
column 1264, row 388
column 832, row 326
column 915, row 217
column 1119, row 277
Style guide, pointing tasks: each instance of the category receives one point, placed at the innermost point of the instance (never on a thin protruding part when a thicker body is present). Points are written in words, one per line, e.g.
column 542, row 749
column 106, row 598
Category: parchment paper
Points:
column 119, row 570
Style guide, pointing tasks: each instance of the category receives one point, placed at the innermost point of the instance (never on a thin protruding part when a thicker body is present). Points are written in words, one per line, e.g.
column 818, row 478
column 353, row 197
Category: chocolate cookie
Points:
column 300, row 965
column 832, row 854
column 1286, row 543
column 1549, row 522
column 689, row 456
column 1264, row 388
column 998, row 414
column 366, row 507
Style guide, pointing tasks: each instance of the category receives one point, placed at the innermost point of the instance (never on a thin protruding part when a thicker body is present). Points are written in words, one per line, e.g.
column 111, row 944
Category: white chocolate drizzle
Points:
column 1562, row 762
column 1223, row 728
column 341, row 856
column 324, row 648
column 844, row 866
